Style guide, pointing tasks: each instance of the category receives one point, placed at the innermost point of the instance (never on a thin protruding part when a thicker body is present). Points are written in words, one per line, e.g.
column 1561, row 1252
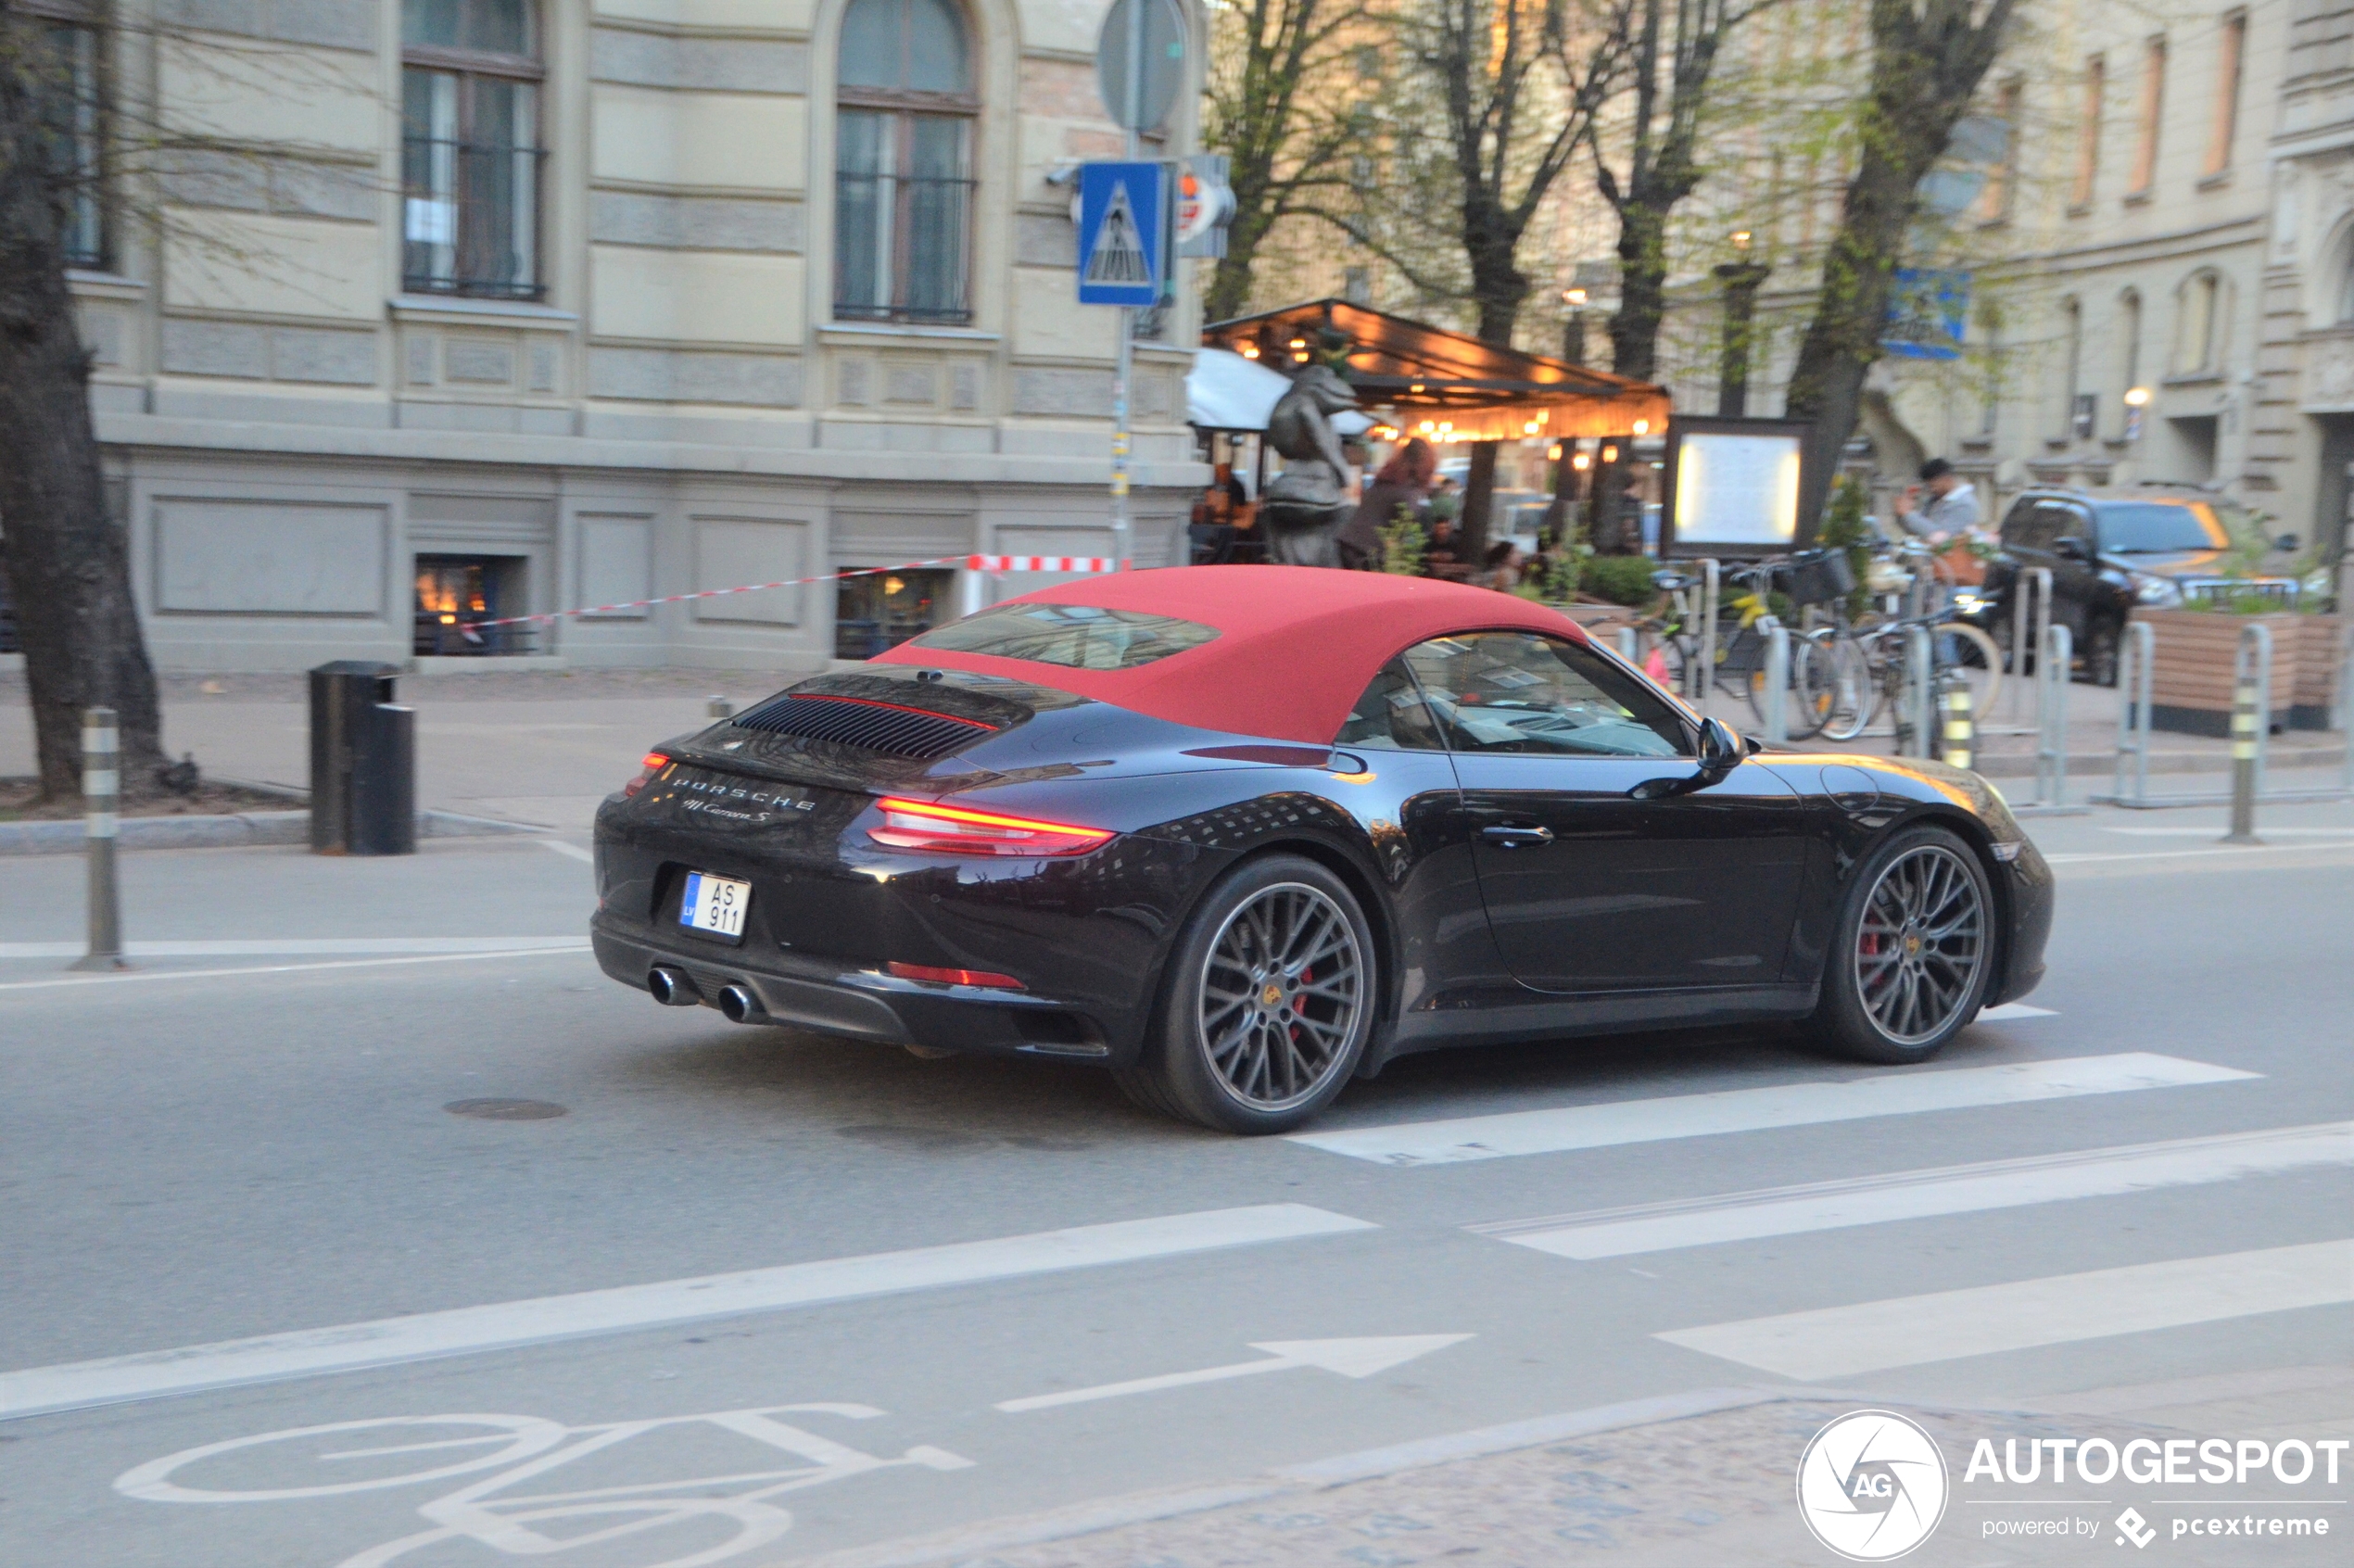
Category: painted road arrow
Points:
column 1350, row 1357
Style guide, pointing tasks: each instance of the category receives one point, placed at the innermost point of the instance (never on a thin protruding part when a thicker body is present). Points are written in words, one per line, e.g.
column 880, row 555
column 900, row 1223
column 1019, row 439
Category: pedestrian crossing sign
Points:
column 1123, row 234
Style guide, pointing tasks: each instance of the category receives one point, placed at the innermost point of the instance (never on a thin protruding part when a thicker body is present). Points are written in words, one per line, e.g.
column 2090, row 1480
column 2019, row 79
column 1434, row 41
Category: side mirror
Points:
column 2073, row 548
column 1720, row 751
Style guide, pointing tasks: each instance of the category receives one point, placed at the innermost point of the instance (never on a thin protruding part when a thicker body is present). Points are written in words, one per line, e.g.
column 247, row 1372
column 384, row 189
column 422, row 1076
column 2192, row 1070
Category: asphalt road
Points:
column 908, row 1266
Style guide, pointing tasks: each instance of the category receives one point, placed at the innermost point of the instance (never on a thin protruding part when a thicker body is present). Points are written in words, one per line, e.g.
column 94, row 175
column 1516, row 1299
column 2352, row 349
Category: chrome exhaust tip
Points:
column 738, row 1006
column 671, row 986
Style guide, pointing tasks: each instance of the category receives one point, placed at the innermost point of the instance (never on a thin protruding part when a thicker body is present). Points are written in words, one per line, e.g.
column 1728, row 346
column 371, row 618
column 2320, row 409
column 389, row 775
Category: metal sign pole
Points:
column 1124, row 354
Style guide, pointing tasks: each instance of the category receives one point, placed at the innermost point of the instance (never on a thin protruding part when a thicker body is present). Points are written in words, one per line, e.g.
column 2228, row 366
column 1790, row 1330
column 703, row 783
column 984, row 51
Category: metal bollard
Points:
column 1627, row 647
column 1776, row 682
column 1961, row 743
column 719, row 708
column 1706, row 678
column 2345, row 700
column 2053, row 666
column 101, row 794
column 2136, row 662
column 1915, row 710
column 2251, row 718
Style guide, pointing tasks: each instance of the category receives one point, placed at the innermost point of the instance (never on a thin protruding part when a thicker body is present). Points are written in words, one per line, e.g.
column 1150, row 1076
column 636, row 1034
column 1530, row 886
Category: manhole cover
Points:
column 504, row 1110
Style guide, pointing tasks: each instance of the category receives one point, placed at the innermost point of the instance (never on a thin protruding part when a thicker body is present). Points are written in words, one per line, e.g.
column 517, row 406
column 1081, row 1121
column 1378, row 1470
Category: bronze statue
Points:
column 1306, row 504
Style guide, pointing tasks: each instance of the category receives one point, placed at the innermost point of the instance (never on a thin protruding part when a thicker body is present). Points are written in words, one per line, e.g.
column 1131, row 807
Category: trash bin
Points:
column 384, row 783
column 347, row 739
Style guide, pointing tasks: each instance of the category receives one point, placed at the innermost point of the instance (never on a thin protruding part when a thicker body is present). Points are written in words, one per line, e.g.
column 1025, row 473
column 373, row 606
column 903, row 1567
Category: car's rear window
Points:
column 1077, row 637
column 2156, row 528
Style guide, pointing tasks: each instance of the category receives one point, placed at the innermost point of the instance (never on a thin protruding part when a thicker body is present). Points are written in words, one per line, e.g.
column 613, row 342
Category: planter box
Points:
column 2320, row 658
column 2191, row 678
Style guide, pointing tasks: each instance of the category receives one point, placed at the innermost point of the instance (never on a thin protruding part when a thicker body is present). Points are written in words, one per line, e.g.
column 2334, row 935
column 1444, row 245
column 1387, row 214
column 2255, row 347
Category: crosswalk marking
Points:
column 2012, row 1012
column 2062, row 1309
column 1917, row 1195
column 1901, row 1093
column 506, row 1324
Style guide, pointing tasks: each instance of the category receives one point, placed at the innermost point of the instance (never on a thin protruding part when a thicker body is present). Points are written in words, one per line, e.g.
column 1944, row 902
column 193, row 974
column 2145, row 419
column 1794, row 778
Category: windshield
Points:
column 2158, row 528
column 1077, row 637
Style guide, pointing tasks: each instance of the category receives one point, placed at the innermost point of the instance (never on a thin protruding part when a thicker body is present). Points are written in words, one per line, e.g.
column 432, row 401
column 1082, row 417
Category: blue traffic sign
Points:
column 1123, row 234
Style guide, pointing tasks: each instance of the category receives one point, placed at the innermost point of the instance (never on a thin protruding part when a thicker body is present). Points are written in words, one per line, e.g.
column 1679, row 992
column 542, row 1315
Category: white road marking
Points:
column 284, row 969
column 1901, row 1093
column 2218, row 852
column 254, row 947
column 1920, row 1195
column 2012, row 1012
column 571, row 850
column 2063, row 1309
column 507, row 1324
column 2218, row 829
column 1350, row 1358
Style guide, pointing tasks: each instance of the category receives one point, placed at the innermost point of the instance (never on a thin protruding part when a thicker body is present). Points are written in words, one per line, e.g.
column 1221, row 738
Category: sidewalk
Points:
column 544, row 747
column 1667, row 1482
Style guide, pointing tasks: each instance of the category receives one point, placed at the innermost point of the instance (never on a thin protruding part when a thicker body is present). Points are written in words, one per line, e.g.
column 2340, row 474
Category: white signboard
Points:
column 1738, row 490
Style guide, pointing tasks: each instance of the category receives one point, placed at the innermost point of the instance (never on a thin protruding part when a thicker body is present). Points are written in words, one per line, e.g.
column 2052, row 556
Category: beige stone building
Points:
column 473, row 308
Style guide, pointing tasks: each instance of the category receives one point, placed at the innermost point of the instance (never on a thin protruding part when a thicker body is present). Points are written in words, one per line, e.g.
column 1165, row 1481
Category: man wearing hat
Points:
column 1953, row 505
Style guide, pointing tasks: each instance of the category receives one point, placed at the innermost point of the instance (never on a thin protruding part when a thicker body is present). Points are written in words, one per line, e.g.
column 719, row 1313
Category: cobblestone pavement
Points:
column 1712, row 1488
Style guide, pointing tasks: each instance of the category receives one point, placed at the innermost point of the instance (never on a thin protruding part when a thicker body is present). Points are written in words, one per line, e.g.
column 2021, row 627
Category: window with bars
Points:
column 903, row 180
column 70, row 77
column 470, row 154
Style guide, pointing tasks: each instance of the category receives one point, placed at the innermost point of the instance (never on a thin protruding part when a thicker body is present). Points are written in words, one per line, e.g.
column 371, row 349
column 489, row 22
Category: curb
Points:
column 968, row 1542
column 239, row 830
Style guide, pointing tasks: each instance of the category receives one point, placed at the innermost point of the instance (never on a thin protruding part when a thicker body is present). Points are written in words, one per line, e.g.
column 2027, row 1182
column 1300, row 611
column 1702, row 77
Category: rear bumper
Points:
column 860, row 1005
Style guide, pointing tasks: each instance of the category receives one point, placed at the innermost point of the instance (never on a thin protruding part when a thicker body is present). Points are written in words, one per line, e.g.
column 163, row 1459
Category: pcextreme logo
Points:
column 1871, row 1485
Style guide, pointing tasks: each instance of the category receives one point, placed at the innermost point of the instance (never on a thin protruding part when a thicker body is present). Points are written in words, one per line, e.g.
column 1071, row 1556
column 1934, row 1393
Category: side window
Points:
column 2029, row 527
column 1391, row 716
column 2066, row 522
column 1519, row 691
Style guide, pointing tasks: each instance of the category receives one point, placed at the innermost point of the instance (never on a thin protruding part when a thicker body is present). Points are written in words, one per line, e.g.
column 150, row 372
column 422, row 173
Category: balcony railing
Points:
column 469, row 219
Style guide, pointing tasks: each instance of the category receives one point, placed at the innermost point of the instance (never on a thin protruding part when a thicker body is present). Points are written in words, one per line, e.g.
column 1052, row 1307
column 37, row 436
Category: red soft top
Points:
column 1297, row 645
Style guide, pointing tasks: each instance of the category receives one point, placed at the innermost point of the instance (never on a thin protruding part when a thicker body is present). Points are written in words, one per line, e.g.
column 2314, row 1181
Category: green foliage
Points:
column 1843, row 529
column 1622, row 579
column 1401, row 544
column 1564, row 569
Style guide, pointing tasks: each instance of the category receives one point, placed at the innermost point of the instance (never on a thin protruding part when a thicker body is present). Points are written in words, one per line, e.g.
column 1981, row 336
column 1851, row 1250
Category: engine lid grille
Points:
column 864, row 722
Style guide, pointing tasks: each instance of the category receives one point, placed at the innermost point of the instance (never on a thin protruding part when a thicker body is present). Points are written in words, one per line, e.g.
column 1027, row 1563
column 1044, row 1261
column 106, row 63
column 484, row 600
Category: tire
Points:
column 1911, row 953
column 2100, row 654
column 1218, row 1051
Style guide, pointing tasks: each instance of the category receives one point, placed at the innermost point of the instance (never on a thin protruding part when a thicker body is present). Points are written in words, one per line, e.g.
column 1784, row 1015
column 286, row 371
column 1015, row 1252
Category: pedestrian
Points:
column 1442, row 557
column 1403, row 482
column 1446, row 501
column 1501, row 568
column 1948, row 521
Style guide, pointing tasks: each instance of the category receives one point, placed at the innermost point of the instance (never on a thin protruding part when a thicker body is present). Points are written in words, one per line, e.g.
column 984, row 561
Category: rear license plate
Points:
column 714, row 905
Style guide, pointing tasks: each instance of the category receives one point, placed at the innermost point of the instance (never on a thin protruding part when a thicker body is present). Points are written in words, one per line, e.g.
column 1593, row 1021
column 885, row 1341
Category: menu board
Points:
column 1735, row 491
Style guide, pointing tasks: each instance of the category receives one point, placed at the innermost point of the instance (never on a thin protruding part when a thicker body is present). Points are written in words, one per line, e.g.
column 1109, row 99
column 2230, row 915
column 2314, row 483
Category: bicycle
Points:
column 1743, row 625
column 1867, row 668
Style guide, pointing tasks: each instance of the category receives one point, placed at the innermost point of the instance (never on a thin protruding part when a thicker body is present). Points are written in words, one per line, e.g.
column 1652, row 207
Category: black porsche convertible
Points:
column 1242, row 833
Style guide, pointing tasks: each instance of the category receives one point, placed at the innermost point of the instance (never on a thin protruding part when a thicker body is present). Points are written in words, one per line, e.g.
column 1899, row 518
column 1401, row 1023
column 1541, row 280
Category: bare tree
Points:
column 1928, row 59
column 68, row 561
column 1503, row 98
column 1283, row 77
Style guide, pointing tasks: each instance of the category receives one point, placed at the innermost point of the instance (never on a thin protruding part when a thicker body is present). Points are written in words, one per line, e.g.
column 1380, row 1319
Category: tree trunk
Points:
column 1498, row 286
column 67, row 563
column 1643, row 288
column 1925, row 64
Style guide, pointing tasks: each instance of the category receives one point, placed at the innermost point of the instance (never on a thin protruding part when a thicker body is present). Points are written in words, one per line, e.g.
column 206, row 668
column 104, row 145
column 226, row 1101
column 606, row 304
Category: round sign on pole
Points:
column 1140, row 61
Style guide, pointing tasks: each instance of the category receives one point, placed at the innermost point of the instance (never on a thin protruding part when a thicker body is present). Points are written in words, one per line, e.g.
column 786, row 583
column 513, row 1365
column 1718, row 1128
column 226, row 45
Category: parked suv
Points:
column 2107, row 550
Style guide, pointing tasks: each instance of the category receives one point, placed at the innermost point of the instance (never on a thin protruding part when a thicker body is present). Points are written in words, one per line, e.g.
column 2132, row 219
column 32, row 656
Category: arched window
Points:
column 2345, row 313
column 470, row 149
column 903, row 181
column 2198, row 324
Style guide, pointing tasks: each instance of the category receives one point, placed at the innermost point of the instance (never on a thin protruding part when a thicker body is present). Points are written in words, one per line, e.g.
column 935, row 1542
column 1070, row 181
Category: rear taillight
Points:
column 921, row 825
column 989, row 977
column 654, row 762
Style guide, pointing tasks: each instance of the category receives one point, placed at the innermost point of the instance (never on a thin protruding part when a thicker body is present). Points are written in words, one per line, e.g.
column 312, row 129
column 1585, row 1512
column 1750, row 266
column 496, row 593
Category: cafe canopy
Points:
column 1446, row 385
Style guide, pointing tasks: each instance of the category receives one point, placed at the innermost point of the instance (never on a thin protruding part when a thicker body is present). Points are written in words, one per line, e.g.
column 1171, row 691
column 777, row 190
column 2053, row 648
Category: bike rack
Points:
column 2030, row 621
column 2053, row 668
column 1629, row 647
column 1706, row 677
column 1917, row 706
column 1777, row 680
column 2251, row 663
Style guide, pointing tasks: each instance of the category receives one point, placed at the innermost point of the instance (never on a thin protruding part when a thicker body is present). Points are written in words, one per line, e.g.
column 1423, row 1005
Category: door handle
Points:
column 1516, row 837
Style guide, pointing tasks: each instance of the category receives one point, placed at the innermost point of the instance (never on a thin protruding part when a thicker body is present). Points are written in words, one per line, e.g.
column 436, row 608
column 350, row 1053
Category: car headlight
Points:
column 2162, row 592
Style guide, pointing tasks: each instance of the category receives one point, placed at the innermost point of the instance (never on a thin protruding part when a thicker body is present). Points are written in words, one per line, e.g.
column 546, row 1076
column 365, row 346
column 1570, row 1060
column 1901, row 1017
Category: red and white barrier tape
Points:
column 1093, row 564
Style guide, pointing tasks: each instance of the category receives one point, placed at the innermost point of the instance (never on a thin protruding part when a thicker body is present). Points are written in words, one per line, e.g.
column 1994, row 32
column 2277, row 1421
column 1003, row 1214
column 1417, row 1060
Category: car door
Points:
column 2075, row 576
column 1587, row 887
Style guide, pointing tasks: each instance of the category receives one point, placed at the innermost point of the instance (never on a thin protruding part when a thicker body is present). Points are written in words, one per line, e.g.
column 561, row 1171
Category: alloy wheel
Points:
column 1280, row 996
column 1920, row 944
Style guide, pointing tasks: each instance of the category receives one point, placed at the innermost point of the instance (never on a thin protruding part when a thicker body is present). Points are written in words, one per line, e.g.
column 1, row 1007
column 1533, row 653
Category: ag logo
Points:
column 1871, row 1485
